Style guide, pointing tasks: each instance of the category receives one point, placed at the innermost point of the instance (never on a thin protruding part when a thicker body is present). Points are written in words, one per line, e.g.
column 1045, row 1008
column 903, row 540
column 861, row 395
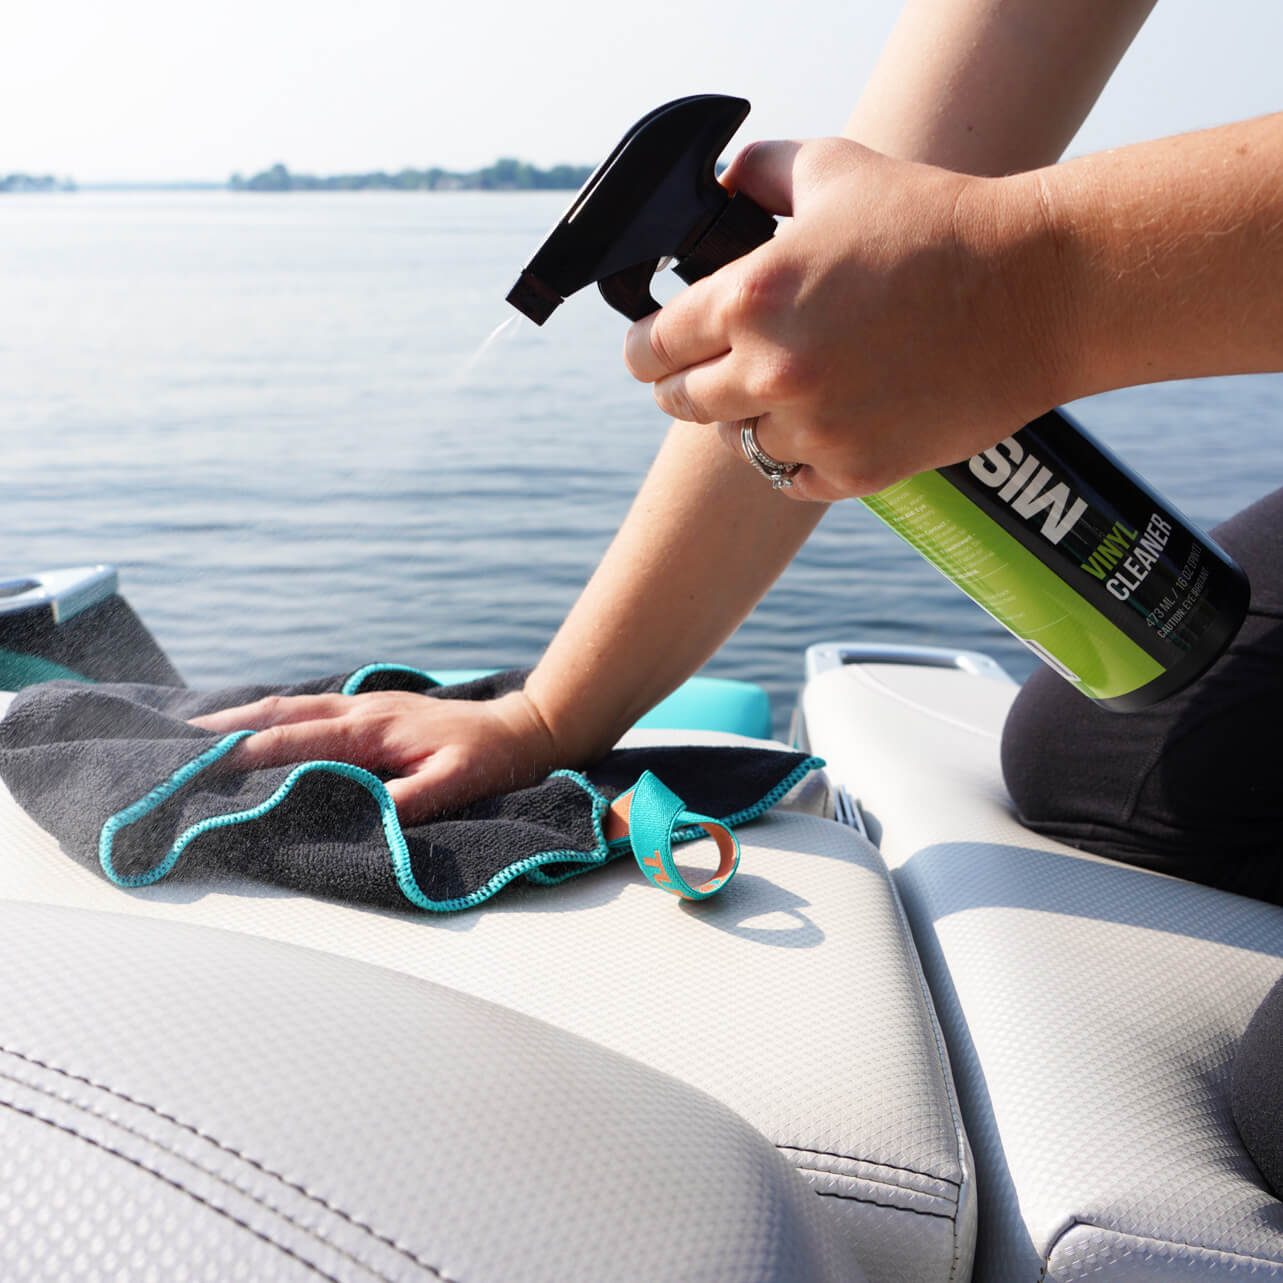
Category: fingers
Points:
column 708, row 392
column 807, row 485
column 439, row 754
column 436, row 787
column 694, row 331
column 687, row 331
column 274, row 710
column 769, row 439
column 451, row 778
column 704, row 351
column 433, row 786
column 730, row 436
column 764, row 172
column 326, row 740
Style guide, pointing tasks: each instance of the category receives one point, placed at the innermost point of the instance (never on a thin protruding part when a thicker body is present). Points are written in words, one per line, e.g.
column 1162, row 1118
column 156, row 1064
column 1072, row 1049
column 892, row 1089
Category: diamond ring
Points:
column 780, row 475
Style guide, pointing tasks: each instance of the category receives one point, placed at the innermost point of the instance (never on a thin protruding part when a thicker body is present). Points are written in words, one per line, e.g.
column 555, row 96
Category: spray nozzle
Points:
column 656, row 196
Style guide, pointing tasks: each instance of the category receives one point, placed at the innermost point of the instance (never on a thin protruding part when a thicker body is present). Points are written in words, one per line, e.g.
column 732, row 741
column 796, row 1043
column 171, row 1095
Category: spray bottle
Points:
column 1051, row 534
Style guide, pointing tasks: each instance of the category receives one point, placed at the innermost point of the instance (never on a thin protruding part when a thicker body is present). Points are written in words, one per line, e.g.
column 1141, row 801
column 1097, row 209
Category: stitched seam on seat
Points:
column 873, row 1202
column 159, row 1144
column 873, row 1180
column 905, row 1206
column 850, row 1158
column 256, row 1164
column 1228, row 1253
column 946, row 1072
column 173, row 1184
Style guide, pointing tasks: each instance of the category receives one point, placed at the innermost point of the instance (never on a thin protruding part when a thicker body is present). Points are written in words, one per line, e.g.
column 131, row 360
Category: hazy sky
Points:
column 166, row 89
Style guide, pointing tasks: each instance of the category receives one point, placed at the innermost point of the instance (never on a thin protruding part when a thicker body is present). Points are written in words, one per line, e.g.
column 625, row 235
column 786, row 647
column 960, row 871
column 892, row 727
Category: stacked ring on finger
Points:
column 780, row 475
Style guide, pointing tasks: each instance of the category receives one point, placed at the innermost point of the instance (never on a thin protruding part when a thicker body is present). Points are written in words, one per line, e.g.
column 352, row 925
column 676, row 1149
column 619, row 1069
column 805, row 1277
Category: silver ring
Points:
column 780, row 475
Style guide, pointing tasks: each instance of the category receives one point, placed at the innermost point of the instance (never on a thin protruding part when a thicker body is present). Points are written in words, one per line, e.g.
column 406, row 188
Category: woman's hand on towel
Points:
column 437, row 754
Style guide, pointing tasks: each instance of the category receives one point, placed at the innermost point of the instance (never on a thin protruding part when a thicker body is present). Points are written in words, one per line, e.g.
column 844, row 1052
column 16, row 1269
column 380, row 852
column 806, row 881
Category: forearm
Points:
column 704, row 540
column 991, row 86
column 1165, row 260
column 706, row 537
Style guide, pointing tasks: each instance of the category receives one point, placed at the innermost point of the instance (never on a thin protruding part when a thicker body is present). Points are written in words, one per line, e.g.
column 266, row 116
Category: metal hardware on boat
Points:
column 65, row 592
column 823, row 656
column 846, row 810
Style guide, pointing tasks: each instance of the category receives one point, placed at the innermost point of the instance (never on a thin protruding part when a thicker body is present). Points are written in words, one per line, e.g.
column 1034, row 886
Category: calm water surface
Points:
column 265, row 410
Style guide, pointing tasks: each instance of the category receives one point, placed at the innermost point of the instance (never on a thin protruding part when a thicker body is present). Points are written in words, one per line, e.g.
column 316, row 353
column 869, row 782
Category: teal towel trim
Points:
column 690, row 832
column 354, row 683
column 781, row 790
column 687, row 833
column 398, row 851
column 148, row 803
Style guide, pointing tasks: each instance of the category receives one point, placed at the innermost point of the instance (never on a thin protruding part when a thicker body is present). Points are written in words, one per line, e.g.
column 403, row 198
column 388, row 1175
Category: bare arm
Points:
column 1168, row 254
column 990, row 87
column 706, row 537
column 704, row 540
column 911, row 316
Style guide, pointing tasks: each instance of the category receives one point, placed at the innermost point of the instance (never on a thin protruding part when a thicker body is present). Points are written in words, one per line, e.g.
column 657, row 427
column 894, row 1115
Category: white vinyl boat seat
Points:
column 204, row 1104
column 793, row 998
column 1092, row 1009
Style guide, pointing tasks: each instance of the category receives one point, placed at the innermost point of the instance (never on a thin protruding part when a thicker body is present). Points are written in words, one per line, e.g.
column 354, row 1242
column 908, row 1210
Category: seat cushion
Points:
column 794, row 997
column 1092, row 1009
column 179, row 1102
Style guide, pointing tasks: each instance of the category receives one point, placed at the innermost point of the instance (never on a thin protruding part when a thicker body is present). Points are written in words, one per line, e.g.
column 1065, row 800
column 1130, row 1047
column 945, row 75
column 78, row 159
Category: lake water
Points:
column 265, row 410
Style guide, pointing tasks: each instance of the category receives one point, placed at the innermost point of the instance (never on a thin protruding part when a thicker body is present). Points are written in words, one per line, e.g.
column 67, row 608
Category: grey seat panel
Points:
column 798, row 1003
column 1092, row 1009
column 179, row 1102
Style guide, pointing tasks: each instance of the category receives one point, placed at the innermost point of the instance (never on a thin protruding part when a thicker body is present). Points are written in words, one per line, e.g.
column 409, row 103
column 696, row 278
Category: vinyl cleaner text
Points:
column 1134, row 555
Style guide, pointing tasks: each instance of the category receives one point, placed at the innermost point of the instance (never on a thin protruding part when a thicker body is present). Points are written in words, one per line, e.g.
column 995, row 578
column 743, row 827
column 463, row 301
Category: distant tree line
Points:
column 505, row 175
column 35, row 183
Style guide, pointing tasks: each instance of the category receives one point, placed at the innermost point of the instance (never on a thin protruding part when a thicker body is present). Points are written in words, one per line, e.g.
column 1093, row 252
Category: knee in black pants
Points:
column 1190, row 786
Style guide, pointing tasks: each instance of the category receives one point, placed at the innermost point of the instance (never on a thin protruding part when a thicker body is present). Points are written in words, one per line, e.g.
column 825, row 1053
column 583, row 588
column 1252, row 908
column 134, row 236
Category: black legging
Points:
column 1256, row 1096
column 1192, row 786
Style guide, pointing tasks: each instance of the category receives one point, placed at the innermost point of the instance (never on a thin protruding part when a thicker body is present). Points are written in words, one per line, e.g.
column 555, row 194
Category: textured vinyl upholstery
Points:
column 184, row 1103
column 794, row 998
column 1092, row 1010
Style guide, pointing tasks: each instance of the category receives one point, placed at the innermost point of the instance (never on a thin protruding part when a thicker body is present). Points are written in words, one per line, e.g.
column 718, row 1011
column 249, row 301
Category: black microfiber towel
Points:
column 116, row 774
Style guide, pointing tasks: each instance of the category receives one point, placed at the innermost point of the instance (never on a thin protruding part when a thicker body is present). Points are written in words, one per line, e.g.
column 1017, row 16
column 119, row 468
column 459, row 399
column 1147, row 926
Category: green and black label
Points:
column 1077, row 557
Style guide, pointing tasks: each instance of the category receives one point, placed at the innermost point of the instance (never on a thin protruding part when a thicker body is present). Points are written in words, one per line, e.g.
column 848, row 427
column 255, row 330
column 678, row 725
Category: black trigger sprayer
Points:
column 1057, row 539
